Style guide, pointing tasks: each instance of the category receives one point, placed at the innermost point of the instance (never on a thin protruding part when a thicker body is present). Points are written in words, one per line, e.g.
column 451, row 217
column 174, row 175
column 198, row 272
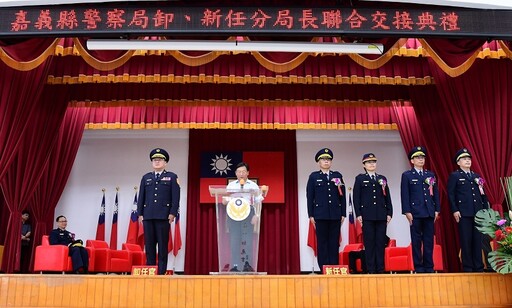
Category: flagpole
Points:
column 175, row 256
column 174, row 264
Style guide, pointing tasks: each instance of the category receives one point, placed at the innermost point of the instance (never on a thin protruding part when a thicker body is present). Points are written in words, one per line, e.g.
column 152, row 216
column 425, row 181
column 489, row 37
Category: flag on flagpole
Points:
column 177, row 235
column 113, row 233
column 133, row 225
column 355, row 230
column 100, row 229
column 312, row 238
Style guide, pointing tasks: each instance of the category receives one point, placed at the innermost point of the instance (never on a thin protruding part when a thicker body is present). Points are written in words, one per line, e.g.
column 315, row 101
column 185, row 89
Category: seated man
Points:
column 78, row 253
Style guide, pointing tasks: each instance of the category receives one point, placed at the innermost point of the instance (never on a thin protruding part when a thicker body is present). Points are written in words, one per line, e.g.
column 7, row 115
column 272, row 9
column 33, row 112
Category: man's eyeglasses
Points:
column 62, row 221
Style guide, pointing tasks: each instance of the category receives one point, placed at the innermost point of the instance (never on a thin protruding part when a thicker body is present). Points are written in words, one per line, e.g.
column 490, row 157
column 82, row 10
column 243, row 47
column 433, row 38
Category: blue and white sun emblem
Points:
column 221, row 164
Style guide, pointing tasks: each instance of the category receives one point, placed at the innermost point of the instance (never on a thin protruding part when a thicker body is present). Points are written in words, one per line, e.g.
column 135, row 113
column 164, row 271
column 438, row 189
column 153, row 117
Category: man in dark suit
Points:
column 373, row 208
column 466, row 195
column 78, row 253
column 26, row 231
column 421, row 205
column 157, row 206
column 327, row 206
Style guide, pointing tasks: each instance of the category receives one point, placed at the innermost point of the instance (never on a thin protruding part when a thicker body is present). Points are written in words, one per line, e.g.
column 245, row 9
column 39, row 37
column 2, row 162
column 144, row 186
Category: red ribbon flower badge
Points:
column 430, row 181
column 480, row 182
column 383, row 183
column 338, row 183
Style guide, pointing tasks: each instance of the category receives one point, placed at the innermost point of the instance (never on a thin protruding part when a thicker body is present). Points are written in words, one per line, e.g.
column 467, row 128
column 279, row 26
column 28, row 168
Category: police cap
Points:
column 461, row 153
column 159, row 153
column 417, row 151
column 324, row 153
column 369, row 157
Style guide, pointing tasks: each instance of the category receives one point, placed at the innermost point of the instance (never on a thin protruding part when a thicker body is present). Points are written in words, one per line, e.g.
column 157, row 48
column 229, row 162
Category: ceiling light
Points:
column 190, row 45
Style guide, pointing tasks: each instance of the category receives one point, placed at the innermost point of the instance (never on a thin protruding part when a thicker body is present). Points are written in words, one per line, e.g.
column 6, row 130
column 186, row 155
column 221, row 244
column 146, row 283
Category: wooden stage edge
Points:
column 398, row 290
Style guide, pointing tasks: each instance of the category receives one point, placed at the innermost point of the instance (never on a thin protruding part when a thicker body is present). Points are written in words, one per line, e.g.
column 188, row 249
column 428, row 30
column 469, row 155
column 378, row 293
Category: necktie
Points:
column 421, row 173
column 468, row 175
column 157, row 176
column 373, row 177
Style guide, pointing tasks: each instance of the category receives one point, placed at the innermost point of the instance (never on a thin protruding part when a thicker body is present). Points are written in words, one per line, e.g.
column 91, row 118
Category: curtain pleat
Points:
column 54, row 177
column 242, row 115
column 24, row 173
column 454, row 57
column 442, row 138
column 478, row 105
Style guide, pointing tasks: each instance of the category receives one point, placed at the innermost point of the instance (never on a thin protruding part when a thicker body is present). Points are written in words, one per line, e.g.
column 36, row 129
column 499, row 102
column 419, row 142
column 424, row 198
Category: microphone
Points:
column 242, row 182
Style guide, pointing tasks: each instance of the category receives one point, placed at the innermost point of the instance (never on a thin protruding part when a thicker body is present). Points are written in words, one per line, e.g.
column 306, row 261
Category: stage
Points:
column 398, row 290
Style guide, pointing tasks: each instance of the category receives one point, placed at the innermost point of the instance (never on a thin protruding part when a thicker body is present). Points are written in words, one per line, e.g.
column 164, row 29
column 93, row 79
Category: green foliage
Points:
column 489, row 222
column 501, row 262
column 486, row 220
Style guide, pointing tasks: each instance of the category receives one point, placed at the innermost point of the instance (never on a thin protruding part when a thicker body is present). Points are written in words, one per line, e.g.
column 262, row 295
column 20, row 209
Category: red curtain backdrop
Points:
column 220, row 94
column 440, row 142
column 479, row 107
column 55, row 175
column 408, row 126
column 423, row 124
column 19, row 111
column 243, row 114
column 279, row 239
column 18, row 94
column 24, row 173
column 453, row 52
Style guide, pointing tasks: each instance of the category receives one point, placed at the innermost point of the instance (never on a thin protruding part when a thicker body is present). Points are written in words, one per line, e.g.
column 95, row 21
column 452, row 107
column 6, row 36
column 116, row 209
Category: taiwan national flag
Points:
column 133, row 225
column 177, row 236
column 113, row 233
column 100, row 229
column 355, row 230
column 266, row 168
column 312, row 238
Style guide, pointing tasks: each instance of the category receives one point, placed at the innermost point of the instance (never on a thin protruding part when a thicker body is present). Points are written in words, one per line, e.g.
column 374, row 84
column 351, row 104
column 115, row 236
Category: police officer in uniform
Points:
column 157, row 206
column 78, row 253
column 466, row 195
column 373, row 208
column 325, row 193
column 421, row 206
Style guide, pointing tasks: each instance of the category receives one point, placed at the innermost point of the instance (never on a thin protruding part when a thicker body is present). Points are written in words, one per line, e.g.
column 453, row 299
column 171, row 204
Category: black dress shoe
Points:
column 234, row 269
column 248, row 267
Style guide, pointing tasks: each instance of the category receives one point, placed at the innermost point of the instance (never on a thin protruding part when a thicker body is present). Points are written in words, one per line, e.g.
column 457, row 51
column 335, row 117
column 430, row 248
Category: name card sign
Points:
column 337, row 270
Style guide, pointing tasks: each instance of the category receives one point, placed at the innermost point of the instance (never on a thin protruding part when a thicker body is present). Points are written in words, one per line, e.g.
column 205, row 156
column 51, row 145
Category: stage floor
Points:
column 402, row 290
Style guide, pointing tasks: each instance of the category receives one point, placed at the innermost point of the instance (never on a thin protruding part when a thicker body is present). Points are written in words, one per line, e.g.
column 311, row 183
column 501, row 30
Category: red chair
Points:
column 107, row 260
column 343, row 255
column 52, row 258
column 398, row 259
column 137, row 255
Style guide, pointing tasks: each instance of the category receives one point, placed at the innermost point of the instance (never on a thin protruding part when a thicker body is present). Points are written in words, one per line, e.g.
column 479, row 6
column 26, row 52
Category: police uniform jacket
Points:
column 370, row 202
column 415, row 193
column 323, row 197
column 464, row 193
column 158, row 198
column 61, row 237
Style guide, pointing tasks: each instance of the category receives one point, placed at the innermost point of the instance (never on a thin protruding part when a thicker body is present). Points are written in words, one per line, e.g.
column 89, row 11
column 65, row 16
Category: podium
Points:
column 238, row 229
